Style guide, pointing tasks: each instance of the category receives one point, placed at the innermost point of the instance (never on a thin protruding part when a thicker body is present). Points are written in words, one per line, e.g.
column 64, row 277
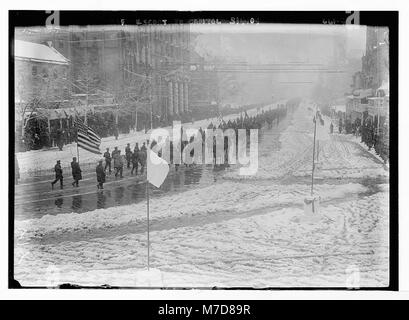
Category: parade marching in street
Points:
column 166, row 157
column 90, row 141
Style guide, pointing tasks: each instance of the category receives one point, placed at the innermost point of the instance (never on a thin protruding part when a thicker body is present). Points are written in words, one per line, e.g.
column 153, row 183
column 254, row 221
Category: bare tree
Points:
column 87, row 81
column 44, row 90
column 132, row 96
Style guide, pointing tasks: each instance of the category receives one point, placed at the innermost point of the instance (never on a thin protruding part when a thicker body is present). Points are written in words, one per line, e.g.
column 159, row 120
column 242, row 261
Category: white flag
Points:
column 157, row 169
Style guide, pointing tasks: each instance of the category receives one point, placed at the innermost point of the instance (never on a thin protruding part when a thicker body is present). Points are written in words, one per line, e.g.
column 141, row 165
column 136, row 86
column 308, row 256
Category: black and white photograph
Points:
column 204, row 150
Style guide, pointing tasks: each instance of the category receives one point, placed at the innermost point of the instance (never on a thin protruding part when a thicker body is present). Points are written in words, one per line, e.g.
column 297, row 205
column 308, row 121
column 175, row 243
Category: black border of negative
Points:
column 370, row 18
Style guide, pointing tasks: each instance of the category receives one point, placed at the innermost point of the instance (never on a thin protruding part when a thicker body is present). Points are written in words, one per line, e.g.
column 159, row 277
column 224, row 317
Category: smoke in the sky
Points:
column 283, row 60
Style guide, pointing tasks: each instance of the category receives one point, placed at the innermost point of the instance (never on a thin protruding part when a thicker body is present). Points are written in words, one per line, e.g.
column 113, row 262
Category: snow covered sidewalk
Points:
column 221, row 198
column 339, row 157
column 37, row 160
column 277, row 248
column 251, row 232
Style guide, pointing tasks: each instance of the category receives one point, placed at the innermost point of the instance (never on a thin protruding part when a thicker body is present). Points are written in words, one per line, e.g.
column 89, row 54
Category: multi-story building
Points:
column 370, row 88
column 375, row 62
column 144, row 68
column 40, row 80
column 37, row 66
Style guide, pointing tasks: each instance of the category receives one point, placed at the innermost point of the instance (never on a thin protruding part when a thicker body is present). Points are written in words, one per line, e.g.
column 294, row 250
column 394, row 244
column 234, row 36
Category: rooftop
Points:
column 30, row 51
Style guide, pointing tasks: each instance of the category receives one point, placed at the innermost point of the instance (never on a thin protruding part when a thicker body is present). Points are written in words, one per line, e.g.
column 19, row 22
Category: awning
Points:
column 24, row 50
column 362, row 93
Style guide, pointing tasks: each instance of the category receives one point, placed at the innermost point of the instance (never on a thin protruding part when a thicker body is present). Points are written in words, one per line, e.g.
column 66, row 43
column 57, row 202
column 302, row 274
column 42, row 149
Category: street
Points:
column 35, row 198
column 211, row 227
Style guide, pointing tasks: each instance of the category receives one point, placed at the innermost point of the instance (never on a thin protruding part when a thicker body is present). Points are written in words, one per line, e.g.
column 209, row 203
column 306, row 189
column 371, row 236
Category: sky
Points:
column 265, row 42
column 296, row 47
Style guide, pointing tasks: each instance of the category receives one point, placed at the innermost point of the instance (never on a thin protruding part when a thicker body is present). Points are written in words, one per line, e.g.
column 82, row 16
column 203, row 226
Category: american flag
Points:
column 86, row 137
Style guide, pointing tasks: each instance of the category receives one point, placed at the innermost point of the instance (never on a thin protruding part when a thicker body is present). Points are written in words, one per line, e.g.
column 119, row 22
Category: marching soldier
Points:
column 100, row 175
column 118, row 164
column 58, row 175
column 142, row 157
column 76, row 172
column 135, row 160
column 115, row 151
column 143, row 148
column 128, row 154
column 107, row 156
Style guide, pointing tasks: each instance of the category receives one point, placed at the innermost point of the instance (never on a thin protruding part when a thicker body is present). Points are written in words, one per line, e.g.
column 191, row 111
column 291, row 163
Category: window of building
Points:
column 34, row 70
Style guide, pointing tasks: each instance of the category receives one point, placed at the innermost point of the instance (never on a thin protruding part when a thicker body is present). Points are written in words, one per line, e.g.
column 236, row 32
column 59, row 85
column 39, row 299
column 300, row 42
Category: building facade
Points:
column 40, row 72
column 375, row 62
column 145, row 68
column 370, row 88
column 40, row 80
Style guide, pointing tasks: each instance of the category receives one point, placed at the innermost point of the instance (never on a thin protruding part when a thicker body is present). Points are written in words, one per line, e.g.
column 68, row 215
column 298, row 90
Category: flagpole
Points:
column 313, row 155
column 147, row 211
column 78, row 152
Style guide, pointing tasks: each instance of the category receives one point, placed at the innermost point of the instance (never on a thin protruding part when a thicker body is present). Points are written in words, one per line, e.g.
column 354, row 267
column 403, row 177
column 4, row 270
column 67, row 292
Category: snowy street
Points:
column 36, row 162
column 213, row 227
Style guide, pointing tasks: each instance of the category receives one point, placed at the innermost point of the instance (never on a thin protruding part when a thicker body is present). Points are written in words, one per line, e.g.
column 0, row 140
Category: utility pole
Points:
column 313, row 154
column 150, row 101
column 86, row 102
column 136, row 117
column 87, row 76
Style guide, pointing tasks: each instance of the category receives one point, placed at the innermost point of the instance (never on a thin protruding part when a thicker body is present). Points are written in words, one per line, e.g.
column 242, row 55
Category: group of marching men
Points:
column 114, row 159
column 138, row 156
column 253, row 122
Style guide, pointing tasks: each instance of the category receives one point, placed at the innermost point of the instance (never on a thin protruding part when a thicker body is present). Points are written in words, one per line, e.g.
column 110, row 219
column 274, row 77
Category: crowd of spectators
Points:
column 374, row 132
column 37, row 135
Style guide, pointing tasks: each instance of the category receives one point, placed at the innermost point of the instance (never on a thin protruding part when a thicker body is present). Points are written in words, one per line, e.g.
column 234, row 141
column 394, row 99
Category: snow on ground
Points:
column 45, row 159
column 339, row 157
column 342, row 157
column 346, row 242
column 358, row 140
column 224, row 197
column 234, row 233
